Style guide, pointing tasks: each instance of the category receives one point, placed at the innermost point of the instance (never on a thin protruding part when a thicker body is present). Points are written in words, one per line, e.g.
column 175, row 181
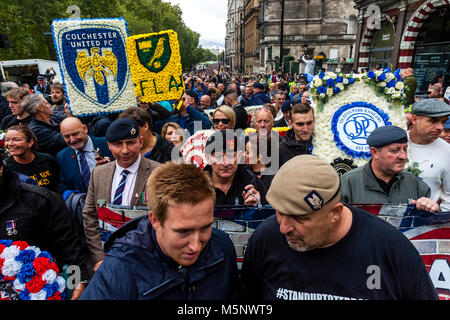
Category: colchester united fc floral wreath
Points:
column 348, row 107
column 27, row 273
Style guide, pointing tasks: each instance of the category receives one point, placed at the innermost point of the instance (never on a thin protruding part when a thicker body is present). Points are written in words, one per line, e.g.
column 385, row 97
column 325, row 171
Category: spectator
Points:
column 231, row 99
column 257, row 158
column 58, row 99
column 78, row 158
column 18, row 115
column 410, row 83
column 224, row 118
column 279, row 98
column 303, row 251
column 445, row 135
column 429, row 151
column 4, row 105
column 205, row 102
column 310, row 64
column 42, row 87
column 298, row 140
column 285, row 120
column 174, row 252
column 41, row 218
column 172, row 132
column 41, row 167
column 43, row 124
column 259, row 97
column 382, row 179
column 233, row 182
column 437, row 80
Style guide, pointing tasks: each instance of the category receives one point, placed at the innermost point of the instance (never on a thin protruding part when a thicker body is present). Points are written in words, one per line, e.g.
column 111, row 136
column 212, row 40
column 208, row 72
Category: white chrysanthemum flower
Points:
column 18, row 286
column 11, row 267
column 10, row 252
column 399, row 85
column 61, row 283
column 49, row 276
column 329, row 92
column 38, row 295
column 382, row 84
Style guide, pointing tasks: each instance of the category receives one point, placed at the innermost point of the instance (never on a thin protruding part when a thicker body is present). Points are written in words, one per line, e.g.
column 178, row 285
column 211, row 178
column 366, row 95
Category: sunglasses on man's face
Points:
column 224, row 121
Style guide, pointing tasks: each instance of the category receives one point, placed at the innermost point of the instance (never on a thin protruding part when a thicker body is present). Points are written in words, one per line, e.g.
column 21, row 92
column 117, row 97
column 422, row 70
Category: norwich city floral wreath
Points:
column 155, row 64
column 28, row 273
column 94, row 66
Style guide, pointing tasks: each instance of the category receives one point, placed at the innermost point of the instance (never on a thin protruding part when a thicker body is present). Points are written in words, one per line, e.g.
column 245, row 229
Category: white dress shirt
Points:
column 88, row 154
column 129, row 184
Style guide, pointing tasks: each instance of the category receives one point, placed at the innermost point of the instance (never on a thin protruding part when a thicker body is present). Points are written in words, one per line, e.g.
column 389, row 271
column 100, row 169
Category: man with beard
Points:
column 430, row 152
column 317, row 248
column 298, row 140
column 58, row 100
column 382, row 179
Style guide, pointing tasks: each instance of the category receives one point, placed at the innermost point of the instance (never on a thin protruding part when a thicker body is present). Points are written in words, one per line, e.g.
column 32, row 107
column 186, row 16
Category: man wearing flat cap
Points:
column 382, row 179
column 120, row 182
column 317, row 248
column 430, row 152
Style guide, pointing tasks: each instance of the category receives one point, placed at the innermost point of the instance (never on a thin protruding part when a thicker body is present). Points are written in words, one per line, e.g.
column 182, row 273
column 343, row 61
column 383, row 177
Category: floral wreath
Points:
column 27, row 273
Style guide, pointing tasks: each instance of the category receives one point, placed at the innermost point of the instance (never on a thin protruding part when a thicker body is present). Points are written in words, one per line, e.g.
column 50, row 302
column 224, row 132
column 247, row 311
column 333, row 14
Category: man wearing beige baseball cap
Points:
column 317, row 248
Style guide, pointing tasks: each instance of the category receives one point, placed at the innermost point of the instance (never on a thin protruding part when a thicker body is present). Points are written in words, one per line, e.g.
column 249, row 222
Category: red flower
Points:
column 1, row 262
column 41, row 265
column 35, row 284
column 21, row 244
column 2, row 247
column 5, row 278
column 56, row 296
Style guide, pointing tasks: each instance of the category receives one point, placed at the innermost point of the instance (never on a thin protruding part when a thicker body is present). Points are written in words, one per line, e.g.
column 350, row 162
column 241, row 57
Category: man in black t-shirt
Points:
column 18, row 115
column 315, row 248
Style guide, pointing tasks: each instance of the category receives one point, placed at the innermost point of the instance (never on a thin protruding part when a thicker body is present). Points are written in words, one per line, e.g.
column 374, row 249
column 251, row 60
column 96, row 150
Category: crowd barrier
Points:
column 429, row 232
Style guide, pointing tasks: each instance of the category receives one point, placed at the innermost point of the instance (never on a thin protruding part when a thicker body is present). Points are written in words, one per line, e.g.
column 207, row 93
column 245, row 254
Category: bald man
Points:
column 78, row 159
column 410, row 82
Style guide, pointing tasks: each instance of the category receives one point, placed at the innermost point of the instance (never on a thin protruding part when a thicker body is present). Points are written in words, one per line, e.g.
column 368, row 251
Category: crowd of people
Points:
column 51, row 158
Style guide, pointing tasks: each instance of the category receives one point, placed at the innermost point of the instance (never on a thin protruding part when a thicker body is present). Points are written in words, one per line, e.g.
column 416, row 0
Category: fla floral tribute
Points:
column 155, row 64
column 94, row 65
column 27, row 273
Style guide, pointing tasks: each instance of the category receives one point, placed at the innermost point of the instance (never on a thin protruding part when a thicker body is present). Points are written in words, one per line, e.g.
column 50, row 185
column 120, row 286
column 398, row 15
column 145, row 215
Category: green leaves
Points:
column 28, row 24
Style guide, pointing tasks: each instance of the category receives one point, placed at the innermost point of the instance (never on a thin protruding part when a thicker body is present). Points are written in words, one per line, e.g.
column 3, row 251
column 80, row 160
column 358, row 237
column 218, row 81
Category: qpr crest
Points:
column 93, row 61
column 353, row 123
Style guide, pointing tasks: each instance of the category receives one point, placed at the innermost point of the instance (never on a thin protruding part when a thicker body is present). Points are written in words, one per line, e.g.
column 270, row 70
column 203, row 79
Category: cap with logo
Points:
column 430, row 108
column 122, row 129
column 385, row 135
column 303, row 185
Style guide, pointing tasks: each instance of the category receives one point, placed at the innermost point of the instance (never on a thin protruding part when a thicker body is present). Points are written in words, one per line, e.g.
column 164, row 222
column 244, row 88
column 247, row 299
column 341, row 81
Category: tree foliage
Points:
column 28, row 24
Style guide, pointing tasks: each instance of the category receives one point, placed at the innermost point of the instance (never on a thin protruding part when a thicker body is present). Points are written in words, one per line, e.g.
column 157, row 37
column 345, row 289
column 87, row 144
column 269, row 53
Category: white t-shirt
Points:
column 434, row 162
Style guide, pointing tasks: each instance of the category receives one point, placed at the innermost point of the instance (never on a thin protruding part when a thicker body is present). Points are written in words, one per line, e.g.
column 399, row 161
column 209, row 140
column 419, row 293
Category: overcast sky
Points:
column 206, row 17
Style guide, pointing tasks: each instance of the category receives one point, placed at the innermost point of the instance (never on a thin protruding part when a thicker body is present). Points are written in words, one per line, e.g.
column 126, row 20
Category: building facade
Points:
column 324, row 28
column 402, row 34
column 231, row 52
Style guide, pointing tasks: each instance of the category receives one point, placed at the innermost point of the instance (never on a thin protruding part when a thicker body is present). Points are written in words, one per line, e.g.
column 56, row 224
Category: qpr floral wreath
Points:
column 155, row 64
column 345, row 121
column 27, row 273
column 94, row 66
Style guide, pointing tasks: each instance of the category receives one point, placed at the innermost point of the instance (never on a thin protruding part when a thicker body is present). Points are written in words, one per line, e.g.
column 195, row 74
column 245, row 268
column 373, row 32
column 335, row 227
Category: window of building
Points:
column 382, row 46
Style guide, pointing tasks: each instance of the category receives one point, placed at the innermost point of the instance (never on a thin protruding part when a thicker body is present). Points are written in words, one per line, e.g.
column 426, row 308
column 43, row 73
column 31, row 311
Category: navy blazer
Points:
column 70, row 176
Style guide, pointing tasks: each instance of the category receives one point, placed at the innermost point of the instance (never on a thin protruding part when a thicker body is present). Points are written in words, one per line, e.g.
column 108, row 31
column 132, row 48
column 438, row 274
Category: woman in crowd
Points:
column 224, row 118
column 24, row 158
column 172, row 132
column 257, row 158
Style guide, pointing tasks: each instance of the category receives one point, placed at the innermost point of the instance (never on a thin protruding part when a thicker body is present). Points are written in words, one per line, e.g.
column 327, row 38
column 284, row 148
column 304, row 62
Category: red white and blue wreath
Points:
column 27, row 273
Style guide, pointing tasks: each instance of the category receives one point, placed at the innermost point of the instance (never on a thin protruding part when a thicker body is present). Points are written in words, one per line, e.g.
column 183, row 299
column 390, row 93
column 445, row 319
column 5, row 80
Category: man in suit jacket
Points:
column 120, row 182
column 80, row 151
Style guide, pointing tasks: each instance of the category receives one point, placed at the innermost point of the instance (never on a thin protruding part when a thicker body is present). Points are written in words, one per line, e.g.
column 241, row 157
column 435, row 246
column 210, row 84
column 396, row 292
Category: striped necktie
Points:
column 85, row 171
column 119, row 191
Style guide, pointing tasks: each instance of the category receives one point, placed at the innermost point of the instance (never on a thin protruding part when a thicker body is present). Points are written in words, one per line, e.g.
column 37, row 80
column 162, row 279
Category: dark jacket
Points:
column 162, row 150
column 241, row 117
column 193, row 115
column 289, row 147
column 41, row 219
column 136, row 269
column 4, row 108
column 242, row 177
column 259, row 99
column 12, row 120
column 49, row 138
column 70, row 176
column 281, row 123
